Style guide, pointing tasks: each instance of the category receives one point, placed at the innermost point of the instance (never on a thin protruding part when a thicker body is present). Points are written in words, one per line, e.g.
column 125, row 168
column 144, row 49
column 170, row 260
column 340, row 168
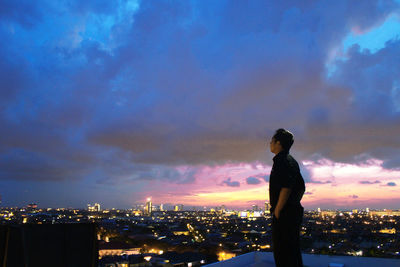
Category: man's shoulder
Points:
column 286, row 160
column 289, row 157
column 291, row 161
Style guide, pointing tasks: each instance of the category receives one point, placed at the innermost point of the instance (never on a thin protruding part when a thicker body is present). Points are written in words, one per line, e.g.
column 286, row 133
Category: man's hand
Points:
column 277, row 213
column 283, row 197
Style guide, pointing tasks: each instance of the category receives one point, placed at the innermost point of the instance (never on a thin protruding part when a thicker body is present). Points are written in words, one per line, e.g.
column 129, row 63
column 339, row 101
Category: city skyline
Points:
column 114, row 102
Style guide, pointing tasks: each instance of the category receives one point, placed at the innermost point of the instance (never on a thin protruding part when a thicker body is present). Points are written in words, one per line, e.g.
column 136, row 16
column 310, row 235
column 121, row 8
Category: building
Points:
column 223, row 208
column 385, row 212
column 148, row 209
column 116, row 248
column 93, row 208
column 31, row 206
column 69, row 244
column 255, row 208
column 267, row 207
column 97, row 206
column 178, row 207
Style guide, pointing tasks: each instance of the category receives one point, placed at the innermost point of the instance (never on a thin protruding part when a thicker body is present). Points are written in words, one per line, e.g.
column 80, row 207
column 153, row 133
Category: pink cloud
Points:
column 348, row 189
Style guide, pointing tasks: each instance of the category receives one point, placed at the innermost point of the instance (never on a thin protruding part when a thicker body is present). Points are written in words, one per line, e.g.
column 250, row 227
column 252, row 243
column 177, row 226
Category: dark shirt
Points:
column 285, row 173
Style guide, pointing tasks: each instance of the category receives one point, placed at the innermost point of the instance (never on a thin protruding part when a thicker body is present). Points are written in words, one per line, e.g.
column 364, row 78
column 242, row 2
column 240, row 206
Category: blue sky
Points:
column 110, row 101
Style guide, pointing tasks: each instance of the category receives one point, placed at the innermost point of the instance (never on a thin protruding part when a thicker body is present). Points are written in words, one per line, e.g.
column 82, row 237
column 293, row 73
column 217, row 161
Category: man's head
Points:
column 282, row 140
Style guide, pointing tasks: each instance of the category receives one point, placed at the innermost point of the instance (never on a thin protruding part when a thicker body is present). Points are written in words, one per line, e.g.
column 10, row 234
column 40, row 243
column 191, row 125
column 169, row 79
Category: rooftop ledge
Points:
column 266, row 259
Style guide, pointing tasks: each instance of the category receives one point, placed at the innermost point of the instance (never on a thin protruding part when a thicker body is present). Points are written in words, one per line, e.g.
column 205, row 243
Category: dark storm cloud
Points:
column 26, row 165
column 107, row 91
column 228, row 182
column 26, row 13
column 254, row 77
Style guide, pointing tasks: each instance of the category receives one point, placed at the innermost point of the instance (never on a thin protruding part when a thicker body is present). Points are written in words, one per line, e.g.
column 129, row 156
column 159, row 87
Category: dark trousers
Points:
column 286, row 238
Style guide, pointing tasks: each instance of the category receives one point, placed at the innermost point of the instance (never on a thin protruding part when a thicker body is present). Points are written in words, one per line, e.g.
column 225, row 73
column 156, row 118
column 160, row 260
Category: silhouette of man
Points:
column 286, row 189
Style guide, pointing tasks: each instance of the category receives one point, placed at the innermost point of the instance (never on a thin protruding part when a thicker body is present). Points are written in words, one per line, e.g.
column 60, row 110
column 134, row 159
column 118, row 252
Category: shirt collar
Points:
column 280, row 154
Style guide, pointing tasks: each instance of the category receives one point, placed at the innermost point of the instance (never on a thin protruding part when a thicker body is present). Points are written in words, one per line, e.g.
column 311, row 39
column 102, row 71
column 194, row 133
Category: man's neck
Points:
column 282, row 151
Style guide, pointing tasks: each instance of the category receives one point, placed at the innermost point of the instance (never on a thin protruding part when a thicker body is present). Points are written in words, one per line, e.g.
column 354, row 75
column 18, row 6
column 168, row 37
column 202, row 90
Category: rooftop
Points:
column 266, row 259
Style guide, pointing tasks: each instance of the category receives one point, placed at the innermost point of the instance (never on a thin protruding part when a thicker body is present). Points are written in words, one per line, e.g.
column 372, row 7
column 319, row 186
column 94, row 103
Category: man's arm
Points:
column 283, row 197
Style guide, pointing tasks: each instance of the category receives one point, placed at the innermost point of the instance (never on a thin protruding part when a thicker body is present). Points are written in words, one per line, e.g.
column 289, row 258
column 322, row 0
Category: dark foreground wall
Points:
column 64, row 245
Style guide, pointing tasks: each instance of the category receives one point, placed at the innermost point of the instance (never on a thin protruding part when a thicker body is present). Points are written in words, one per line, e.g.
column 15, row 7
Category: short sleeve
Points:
column 286, row 175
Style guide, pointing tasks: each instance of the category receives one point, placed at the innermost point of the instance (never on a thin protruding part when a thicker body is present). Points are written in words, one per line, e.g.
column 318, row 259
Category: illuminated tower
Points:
column 148, row 207
column 266, row 207
column 223, row 208
column 161, row 207
column 178, row 207
column 96, row 206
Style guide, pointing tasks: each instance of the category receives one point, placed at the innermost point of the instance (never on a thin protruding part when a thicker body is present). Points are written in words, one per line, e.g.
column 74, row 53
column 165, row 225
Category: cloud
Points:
column 391, row 184
column 20, row 164
column 228, row 182
column 25, row 13
column 125, row 91
column 369, row 182
column 235, row 145
column 308, row 193
column 253, row 180
column 259, row 176
column 353, row 196
column 319, row 182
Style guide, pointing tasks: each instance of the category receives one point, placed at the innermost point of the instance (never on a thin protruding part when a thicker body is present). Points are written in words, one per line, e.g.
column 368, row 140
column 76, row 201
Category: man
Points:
column 286, row 188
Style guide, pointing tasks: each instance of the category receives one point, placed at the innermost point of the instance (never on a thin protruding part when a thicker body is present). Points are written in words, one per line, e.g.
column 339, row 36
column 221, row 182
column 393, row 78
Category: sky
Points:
column 117, row 101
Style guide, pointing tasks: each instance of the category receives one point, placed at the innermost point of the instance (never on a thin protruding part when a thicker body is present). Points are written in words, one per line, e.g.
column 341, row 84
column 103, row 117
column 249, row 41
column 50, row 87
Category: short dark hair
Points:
column 285, row 138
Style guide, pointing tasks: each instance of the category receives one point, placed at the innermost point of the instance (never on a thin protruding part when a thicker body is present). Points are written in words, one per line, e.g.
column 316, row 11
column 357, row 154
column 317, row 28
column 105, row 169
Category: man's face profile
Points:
column 274, row 146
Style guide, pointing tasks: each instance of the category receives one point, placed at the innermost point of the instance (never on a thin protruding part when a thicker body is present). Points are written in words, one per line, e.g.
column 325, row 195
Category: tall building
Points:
column 97, row 206
column 255, row 207
column 161, row 207
column 178, row 207
column 267, row 206
column 148, row 208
